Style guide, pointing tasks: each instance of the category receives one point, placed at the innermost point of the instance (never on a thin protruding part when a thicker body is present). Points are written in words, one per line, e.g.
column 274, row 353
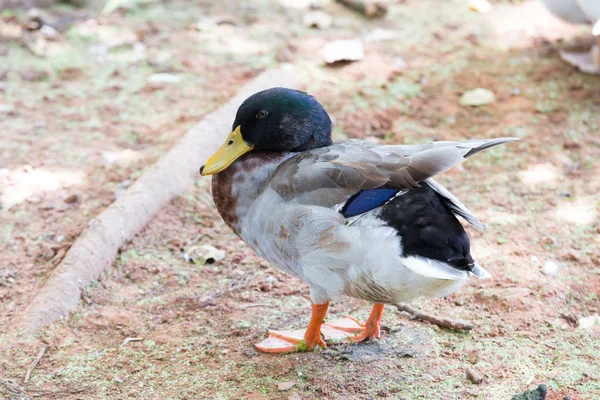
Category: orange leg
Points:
column 372, row 326
column 312, row 336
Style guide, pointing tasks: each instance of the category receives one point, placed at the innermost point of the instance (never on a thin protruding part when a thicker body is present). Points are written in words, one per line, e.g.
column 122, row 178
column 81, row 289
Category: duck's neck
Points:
column 236, row 188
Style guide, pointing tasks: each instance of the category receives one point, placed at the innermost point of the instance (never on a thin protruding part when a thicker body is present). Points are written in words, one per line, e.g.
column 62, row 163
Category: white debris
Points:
column 131, row 339
column 381, row 35
column 477, row 97
column 163, row 78
column 481, row 6
column 343, row 50
column 589, row 322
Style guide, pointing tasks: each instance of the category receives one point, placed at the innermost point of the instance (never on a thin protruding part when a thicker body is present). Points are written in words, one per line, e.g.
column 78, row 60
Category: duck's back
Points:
column 427, row 227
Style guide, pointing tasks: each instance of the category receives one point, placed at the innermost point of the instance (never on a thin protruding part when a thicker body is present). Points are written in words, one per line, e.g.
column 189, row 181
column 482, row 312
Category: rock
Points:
column 343, row 50
column 550, row 268
column 267, row 285
column 74, row 198
column 474, row 376
column 206, row 301
column 285, row 385
column 317, row 19
column 295, row 396
column 538, row 393
column 477, row 97
column 46, row 252
column 204, row 254
column 250, row 353
column 589, row 322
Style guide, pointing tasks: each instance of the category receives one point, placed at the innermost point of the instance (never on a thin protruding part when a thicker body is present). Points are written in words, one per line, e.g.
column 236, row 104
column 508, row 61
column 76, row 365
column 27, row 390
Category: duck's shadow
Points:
column 400, row 342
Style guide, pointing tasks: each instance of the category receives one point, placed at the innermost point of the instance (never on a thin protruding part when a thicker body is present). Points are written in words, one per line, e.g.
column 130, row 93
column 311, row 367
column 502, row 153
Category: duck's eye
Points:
column 262, row 114
column 230, row 143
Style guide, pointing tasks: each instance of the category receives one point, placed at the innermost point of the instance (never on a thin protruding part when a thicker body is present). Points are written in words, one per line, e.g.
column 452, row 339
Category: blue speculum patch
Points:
column 367, row 200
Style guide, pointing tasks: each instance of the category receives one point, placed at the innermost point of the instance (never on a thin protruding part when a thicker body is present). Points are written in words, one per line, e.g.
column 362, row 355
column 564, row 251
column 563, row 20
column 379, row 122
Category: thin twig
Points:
column 43, row 393
column 441, row 322
column 34, row 364
column 252, row 305
column 11, row 388
column 15, row 390
column 131, row 339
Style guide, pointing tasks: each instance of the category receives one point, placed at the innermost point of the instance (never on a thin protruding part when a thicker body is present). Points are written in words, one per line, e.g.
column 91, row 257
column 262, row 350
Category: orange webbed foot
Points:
column 372, row 328
column 340, row 330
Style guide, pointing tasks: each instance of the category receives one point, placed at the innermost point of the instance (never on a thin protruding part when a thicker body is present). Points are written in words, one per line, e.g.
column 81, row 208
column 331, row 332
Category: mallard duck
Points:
column 349, row 218
column 580, row 12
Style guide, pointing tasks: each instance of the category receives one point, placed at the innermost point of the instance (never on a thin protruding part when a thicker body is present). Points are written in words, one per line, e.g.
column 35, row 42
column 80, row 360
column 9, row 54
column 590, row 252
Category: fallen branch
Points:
column 34, row 363
column 369, row 8
column 97, row 247
column 441, row 322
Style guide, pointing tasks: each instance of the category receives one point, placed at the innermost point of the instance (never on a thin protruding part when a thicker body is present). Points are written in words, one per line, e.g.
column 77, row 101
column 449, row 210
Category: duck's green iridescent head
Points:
column 276, row 119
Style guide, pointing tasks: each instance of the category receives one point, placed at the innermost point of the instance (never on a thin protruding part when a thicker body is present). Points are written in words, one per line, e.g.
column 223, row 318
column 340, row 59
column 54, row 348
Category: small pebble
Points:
column 250, row 353
column 474, row 376
column 267, row 285
column 477, row 97
column 207, row 301
column 74, row 198
column 285, row 385
column 550, row 268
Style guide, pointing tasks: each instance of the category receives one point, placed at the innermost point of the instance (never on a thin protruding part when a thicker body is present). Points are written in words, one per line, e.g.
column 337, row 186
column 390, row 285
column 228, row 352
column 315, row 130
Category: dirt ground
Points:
column 79, row 124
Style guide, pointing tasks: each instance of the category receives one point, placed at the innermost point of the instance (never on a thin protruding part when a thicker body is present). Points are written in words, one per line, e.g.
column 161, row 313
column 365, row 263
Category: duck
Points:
column 349, row 218
column 580, row 12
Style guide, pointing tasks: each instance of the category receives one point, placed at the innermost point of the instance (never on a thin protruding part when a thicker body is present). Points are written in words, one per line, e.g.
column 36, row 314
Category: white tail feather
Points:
column 480, row 272
column 433, row 269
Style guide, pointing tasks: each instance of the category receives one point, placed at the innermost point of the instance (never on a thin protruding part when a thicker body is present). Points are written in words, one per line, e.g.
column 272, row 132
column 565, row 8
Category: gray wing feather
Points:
column 328, row 176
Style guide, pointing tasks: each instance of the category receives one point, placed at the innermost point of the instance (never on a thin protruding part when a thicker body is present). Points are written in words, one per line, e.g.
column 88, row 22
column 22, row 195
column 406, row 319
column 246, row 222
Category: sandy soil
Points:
column 80, row 124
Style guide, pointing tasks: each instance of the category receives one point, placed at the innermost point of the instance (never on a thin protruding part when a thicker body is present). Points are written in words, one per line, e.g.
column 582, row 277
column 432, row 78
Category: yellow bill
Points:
column 233, row 148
